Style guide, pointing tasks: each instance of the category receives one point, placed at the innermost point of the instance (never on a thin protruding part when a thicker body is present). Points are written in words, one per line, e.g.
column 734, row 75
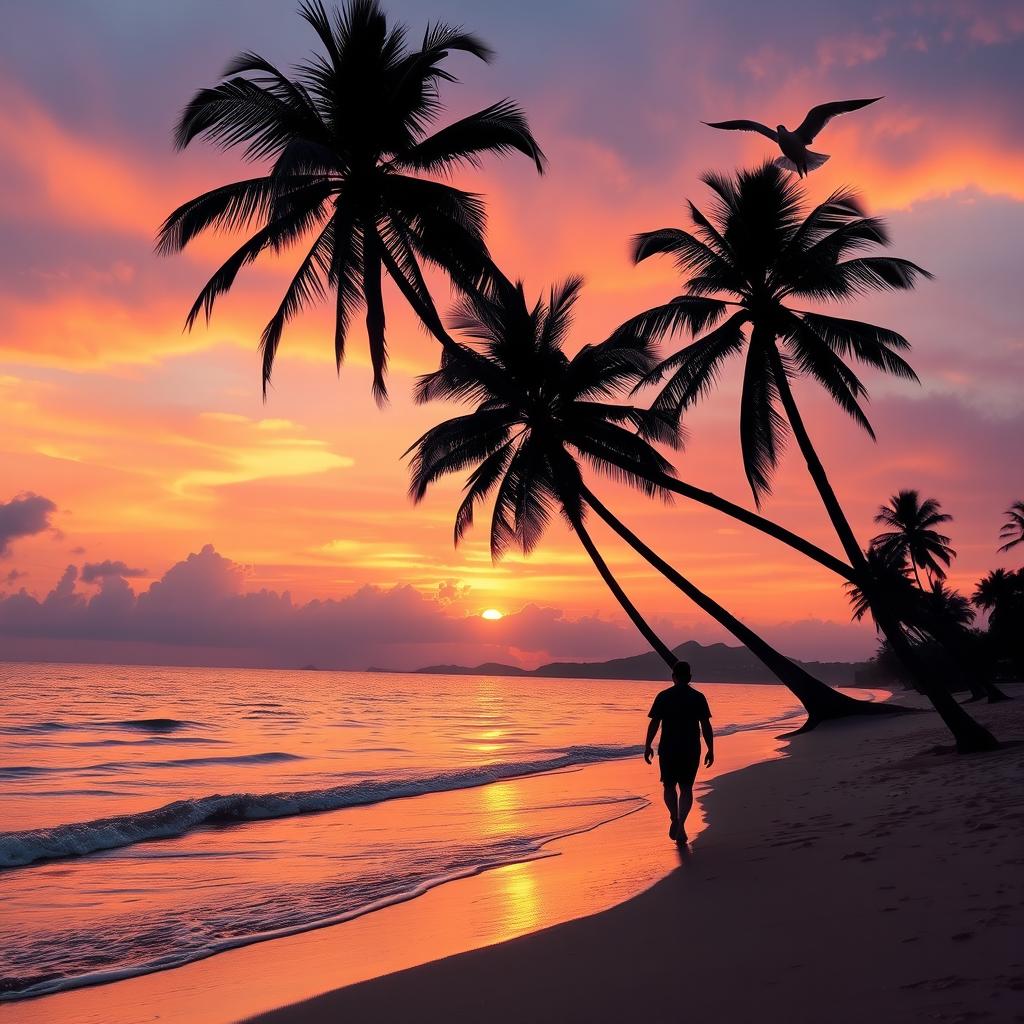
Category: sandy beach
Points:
column 870, row 875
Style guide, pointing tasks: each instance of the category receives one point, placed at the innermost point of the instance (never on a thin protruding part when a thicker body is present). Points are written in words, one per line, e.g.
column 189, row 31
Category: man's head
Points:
column 681, row 673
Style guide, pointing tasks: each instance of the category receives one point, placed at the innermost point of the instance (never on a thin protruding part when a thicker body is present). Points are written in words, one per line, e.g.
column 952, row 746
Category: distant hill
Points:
column 711, row 663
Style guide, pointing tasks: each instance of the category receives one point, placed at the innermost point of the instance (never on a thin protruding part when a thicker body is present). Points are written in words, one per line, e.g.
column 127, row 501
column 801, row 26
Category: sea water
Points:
column 136, row 802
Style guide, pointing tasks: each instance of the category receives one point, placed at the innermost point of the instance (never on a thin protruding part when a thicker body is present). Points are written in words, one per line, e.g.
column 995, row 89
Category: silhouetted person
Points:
column 683, row 714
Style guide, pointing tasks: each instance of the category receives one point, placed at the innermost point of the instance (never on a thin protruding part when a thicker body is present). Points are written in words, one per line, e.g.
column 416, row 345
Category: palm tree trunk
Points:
column 821, row 701
column 917, row 575
column 745, row 516
column 970, row 736
column 613, row 585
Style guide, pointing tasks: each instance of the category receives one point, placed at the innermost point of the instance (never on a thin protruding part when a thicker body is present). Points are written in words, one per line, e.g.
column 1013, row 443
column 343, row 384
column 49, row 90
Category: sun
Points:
column 493, row 614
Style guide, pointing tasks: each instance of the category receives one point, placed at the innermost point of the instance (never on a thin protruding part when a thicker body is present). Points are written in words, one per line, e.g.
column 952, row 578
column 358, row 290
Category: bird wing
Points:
column 819, row 116
column 743, row 126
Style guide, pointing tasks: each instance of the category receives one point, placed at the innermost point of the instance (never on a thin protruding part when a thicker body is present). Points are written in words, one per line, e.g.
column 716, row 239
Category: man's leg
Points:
column 672, row 803
column 686, row 793
column 685, row 804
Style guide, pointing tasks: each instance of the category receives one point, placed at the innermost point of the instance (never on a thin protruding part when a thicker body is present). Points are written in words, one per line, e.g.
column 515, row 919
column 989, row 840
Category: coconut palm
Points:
column 1001, row 594
column 889, row 573
column 912, row 536
column 348, row 137
column 997, row 590
column 761, row 248
column 1012, row 530
column 946, row 608
column 537, row 414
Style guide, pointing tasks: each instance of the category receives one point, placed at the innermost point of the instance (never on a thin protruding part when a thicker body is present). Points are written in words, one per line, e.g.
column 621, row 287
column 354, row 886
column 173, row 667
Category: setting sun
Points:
column 493, row 614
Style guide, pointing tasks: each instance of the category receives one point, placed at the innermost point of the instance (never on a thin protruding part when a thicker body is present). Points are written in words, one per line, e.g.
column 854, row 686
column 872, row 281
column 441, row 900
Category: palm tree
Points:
column 1012, row 530
column 348, row 138
column 945, row 607
column 890, row 573
column 997, row 590
column 1001, row 594
column 759, row 249
column 912, row 536
column 537, row 414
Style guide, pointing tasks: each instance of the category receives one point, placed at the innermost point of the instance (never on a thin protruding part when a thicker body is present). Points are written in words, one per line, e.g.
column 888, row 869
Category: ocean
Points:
column 153, row 816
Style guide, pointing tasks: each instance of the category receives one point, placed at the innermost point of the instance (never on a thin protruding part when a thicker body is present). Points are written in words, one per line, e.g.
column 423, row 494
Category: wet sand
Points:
column 866, row 877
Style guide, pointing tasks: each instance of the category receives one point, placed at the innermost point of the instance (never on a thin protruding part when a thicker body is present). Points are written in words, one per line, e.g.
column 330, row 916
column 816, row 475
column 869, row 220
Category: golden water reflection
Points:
column 520, row 908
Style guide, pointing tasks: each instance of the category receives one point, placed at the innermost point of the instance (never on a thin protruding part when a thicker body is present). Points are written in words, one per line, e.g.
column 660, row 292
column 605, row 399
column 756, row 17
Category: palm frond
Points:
column 501, row 129
column 868, row 343
column 694, row 369
column 685, row 313
column 763, row 429
column 814, row 358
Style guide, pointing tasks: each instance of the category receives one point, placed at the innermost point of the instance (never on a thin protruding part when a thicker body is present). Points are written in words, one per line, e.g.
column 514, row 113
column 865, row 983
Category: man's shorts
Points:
column 679, row 767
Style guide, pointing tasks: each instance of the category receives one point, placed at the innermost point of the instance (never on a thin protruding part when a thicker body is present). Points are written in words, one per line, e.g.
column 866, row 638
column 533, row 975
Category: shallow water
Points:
column 135, row 800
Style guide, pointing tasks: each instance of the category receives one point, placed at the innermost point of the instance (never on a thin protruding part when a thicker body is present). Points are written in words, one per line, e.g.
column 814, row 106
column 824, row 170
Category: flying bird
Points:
column 795, row 154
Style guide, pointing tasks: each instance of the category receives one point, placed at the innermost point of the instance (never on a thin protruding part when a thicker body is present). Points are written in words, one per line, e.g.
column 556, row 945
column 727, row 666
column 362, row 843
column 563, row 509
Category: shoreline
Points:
column 879, row 922
column 595, row 871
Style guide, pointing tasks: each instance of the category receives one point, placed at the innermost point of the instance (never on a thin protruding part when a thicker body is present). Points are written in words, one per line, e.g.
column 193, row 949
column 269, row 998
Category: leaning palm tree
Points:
column 537, row 414
column 760, row 249
column 1012, row 530
column 912, row 536
column 348, row 137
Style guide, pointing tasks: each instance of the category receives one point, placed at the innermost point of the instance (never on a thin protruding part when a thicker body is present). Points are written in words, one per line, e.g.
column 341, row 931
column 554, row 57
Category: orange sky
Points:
column 153, row 443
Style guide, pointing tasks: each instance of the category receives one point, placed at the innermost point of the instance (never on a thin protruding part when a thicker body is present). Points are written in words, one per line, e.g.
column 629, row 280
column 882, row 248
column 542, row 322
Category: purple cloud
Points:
column 94, row 572
column 24, row 515
column 199, row 613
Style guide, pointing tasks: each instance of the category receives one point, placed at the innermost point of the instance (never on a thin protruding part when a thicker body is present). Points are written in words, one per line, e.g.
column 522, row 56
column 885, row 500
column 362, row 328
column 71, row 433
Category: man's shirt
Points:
column 680, row 709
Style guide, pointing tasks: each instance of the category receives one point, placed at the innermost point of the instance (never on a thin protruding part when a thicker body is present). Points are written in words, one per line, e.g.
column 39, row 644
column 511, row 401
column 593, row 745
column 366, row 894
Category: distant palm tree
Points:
column 537, row 413
column 889, row 572
column 997, row 589
column 1013, row 529
column 347, row 135
column 936, row 620
column 759, row 249
column 945, row 608
column 1001, row 594
column 912, row 536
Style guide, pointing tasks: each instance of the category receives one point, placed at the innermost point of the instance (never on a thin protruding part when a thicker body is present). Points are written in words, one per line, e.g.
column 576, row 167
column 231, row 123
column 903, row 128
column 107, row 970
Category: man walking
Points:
column 683, row 714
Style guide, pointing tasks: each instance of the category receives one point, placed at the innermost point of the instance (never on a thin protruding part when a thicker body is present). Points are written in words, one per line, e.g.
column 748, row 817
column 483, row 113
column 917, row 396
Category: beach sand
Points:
column 865, row 878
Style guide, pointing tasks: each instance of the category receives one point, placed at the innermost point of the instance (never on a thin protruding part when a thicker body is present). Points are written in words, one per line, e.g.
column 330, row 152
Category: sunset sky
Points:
column 280, row 532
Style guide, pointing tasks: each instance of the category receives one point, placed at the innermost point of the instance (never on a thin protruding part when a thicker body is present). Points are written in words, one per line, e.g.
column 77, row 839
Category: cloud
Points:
column 95, row 572
column 14, row 575
column 200, row 605
column 22, row 516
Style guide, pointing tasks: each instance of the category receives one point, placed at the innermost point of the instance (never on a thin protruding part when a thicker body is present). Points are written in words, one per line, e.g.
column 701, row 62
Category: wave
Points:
column 18, row 849
column 132, row 955
column 152, row 725
column 17, row 771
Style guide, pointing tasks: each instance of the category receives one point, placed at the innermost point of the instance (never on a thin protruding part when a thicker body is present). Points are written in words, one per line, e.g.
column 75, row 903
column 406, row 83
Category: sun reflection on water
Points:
column 520, row 898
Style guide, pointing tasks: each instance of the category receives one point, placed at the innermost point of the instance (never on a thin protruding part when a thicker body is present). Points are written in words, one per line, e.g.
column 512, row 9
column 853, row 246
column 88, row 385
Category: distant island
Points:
column 711, row 663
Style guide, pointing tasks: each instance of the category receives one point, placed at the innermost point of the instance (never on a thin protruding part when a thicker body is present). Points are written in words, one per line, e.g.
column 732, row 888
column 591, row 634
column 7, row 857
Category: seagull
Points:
column 796, row 156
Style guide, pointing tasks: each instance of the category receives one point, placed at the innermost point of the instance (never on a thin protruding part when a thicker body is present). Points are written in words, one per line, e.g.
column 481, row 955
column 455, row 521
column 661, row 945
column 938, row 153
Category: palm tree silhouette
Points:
column 888, row 571
column 997, row 589
column 348, row 136
column 1001, row 594
column 761, row 247
column 912, row 536
column 1012, row 530
column 537, row 414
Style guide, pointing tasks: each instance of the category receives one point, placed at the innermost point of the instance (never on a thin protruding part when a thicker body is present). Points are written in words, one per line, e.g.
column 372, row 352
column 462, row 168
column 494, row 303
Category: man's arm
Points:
column 709, row 741
column 652, row 731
